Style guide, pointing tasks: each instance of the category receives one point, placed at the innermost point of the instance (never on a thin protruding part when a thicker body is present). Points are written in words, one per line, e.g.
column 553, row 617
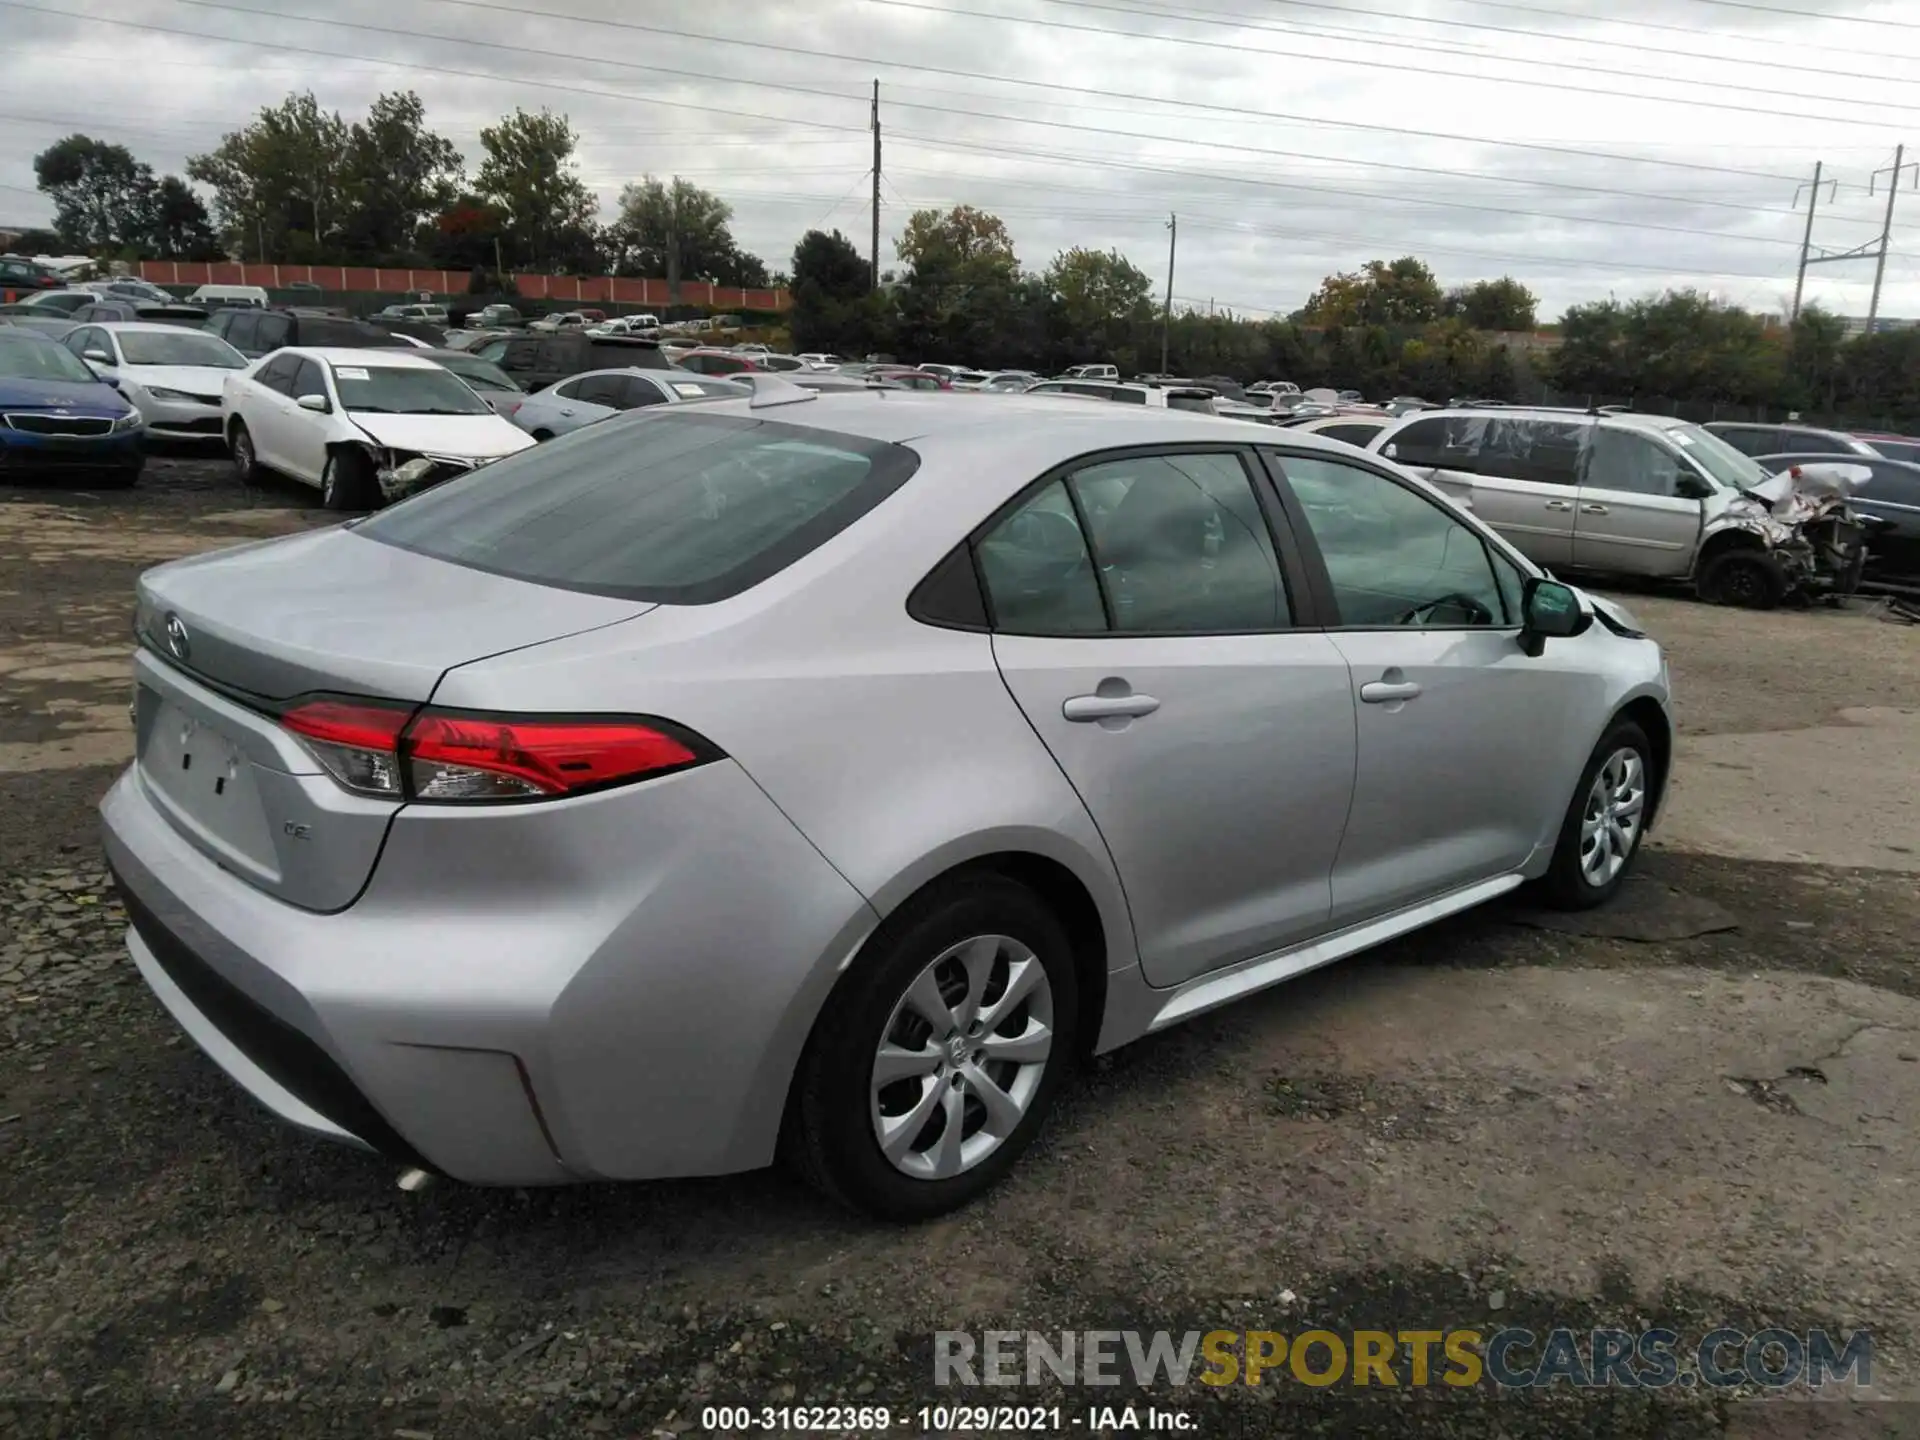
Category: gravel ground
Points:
column 1491, row 1123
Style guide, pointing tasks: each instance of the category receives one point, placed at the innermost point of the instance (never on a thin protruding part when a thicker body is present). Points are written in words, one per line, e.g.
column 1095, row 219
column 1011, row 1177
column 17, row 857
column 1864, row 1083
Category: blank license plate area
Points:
column 208, row 784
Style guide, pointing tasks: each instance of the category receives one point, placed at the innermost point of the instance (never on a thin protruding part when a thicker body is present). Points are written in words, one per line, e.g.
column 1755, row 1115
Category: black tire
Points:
column 1566, row 885
column 830, row 1131
column 246, row 464
column 1744, row 578
column 347, row 483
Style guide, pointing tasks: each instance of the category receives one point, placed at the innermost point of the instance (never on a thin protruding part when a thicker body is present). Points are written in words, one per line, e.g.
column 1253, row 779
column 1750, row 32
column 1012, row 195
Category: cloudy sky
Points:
column 1291, row 138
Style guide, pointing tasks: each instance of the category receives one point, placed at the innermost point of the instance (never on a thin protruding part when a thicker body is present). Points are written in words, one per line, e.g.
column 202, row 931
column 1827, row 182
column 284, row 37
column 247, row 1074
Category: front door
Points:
column 1143, row 624
column 306, row 455
column 1640, row 511
column 1461, row 735
column 271, row 417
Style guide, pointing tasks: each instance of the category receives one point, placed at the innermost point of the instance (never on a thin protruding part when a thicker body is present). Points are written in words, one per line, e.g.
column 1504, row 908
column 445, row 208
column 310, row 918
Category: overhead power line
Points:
column 517, row 79
column 1101, row 93
column 1812, row 14
column 1214, row 17
column 1104, row 131
column 1374, row 63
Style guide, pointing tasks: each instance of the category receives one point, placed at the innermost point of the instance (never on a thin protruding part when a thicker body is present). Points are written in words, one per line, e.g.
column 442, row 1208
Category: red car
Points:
column 911, row 378
column 715, row 362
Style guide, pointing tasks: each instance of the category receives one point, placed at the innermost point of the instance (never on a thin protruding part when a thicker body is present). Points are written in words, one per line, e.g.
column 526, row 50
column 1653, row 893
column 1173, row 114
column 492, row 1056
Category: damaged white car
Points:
column 1644, row 495
column 365, row 426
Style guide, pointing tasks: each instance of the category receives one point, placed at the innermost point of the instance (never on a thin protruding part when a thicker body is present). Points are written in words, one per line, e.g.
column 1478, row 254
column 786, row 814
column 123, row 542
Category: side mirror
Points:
column 1548, row 609
column 1692, row 487
column 319, row 404
column 97, row 356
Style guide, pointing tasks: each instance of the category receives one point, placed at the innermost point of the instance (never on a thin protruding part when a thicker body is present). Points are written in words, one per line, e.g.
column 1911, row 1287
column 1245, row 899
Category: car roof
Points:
column 895, row 416
column 406, row 359
column 1629, row 419
column 142, row 327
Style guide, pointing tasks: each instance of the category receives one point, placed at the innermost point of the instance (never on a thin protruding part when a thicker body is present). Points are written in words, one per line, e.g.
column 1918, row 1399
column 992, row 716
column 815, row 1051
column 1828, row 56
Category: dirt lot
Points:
column 1497, row 1122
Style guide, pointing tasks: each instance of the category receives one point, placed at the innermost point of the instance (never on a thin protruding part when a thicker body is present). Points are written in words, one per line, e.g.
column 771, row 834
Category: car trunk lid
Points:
column 227, row 640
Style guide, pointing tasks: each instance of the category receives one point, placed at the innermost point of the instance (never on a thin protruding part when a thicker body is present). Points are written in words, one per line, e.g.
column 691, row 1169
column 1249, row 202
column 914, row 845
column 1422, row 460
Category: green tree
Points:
column 1099, row 288
column 1398, row 292
column 678, row 230
column 396, row 176
column 963, row 240
column 100, row 193
column 1814, row 342
column 1503, row 304
column 278, row 184
column 1592, row 354
column 530, row 176
column 831, row 265
column 177, row 226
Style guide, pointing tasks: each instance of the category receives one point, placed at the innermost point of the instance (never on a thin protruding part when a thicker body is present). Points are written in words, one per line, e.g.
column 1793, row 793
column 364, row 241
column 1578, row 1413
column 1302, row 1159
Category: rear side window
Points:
column 681, row 509
column 1815, row 442
column 1752, row 439
column 1892, row 485
column 1546, row 452
column 272, row 331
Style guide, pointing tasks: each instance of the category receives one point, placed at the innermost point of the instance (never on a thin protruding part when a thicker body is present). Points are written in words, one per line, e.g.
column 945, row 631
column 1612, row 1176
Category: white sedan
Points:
column 582, row 400
column 172, row 376
column 363, row 425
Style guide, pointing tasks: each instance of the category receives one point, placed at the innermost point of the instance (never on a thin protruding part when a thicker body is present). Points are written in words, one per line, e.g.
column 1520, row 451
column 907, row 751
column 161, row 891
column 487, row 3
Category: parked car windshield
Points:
column 24, row 358
column 179, row 347
column 1724, row 465
column 481, row 374
column 671, row 507
column 398, row 390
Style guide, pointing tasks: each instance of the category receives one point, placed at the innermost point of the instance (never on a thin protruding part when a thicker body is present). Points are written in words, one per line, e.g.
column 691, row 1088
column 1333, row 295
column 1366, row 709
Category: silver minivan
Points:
column 1612, row 493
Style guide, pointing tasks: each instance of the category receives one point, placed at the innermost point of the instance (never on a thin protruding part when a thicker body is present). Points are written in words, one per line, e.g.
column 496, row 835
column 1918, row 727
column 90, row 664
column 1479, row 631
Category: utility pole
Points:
column 874, row 253
column 673, row 242
column 1166, row 318
column 1806, row 242
column 1886, row 233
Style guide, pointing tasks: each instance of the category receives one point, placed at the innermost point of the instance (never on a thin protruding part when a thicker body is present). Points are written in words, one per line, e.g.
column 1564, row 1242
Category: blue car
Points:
column 57, row 415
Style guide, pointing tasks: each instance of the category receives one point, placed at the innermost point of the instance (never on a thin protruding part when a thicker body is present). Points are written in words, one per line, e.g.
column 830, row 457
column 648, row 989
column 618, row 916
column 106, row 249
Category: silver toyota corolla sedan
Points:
column 827, row 772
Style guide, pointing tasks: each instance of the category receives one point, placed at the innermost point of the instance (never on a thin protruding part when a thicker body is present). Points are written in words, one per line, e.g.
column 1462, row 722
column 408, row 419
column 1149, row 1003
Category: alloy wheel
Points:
column 1610, row 823
column 962, row 1057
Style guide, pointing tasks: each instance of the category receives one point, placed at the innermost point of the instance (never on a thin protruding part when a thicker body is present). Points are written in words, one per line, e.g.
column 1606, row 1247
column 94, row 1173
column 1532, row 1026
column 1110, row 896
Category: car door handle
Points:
column 1559, row 505
column 1380, row 692
column 1593, row 509
column 565, row 411
column 1108, row 707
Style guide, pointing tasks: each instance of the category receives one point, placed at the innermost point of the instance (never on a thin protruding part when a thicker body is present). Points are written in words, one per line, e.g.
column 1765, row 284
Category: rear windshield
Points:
column 671, row 507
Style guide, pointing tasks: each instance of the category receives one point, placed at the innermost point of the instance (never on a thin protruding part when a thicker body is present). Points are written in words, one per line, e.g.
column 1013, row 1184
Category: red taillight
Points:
column 469, row 757
column 452, row 756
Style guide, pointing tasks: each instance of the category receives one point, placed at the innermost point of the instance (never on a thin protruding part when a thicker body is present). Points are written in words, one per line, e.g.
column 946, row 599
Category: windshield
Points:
column 394, row 390
column 178, row 347
column 481, row 374
column 36, row 359
column 1724, row 465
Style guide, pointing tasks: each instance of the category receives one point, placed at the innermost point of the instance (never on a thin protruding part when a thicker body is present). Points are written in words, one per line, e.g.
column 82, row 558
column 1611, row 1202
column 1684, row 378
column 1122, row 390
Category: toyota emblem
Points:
column 178, row 641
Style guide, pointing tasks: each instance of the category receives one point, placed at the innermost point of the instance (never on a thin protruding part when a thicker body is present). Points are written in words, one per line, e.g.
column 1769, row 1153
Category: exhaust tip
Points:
column 414, row 1180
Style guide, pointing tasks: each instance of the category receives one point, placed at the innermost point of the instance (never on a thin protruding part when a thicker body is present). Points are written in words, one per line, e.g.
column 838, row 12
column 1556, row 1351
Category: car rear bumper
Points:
column 616, row 986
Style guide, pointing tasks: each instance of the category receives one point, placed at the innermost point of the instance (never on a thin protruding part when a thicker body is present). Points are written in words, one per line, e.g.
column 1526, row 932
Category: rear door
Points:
column 268, row 411
column 1640, row 506
column 1145, row 621
column 1464, row 741
column 1525, row 478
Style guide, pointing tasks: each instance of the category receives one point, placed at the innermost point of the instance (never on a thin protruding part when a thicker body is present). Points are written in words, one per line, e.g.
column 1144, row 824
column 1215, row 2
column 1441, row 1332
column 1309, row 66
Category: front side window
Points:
column 307, row 380
column 1393, row 556
column 271, row 332
column 606, row 390
column 681, row 508
column 1632, row 464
